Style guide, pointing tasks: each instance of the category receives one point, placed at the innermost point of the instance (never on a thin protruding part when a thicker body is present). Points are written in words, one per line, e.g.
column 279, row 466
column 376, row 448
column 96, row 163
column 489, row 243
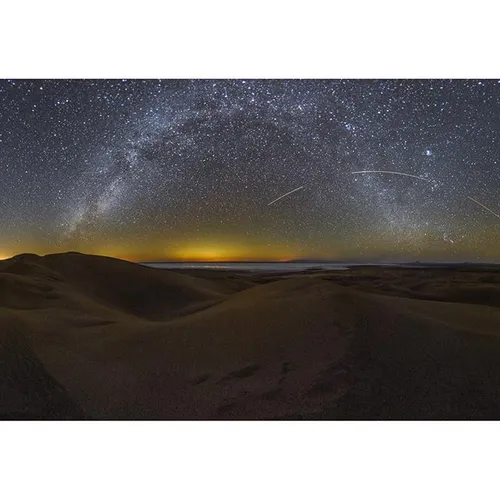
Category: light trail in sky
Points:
column 286, row 194
column 391, row 172
column 484, row 206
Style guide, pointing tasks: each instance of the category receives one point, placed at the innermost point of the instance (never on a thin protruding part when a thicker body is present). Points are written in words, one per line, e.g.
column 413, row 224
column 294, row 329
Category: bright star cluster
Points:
column 160, row 169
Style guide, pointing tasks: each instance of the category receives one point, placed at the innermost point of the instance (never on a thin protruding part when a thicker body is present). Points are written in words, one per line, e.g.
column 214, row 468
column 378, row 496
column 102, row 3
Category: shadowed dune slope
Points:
column 130, row 342
column 27, row 390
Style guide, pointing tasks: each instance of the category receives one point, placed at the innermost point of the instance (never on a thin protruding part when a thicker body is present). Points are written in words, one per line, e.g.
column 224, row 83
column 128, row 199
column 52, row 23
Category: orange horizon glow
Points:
column 240, row 259
column 212, row 253
column 226, row 252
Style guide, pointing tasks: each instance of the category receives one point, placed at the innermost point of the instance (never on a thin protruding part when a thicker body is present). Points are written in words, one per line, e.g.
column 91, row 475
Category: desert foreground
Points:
column 86, row 337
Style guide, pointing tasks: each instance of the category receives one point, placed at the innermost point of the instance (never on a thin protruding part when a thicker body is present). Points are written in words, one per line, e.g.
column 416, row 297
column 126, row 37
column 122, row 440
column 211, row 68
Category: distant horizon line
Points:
column 372, row 260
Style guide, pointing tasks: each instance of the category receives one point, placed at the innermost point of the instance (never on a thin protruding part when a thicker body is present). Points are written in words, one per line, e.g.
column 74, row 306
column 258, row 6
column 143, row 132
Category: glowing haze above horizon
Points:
column 188, row 169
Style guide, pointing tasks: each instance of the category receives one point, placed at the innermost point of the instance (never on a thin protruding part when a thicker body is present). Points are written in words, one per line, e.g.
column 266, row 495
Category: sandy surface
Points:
column 92, row 337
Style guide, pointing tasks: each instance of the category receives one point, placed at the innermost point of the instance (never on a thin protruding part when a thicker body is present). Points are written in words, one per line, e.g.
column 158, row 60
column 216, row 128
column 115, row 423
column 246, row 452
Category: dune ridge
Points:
column 97, row 337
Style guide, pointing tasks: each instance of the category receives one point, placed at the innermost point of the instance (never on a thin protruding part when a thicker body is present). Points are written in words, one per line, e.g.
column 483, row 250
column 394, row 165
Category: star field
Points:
column 160, row 169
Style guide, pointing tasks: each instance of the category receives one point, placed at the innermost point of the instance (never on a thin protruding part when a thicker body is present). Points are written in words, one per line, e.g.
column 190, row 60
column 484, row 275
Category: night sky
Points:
column 166, row 169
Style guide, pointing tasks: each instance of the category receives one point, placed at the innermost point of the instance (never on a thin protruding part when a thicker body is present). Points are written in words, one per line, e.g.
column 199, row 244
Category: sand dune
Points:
column 113, row 339
column 121, row 286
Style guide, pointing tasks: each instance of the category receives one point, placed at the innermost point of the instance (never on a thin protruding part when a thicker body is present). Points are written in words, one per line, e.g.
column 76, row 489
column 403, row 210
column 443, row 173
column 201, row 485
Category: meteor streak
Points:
column 391, row 172
column 286, row 194
column 485, row 207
